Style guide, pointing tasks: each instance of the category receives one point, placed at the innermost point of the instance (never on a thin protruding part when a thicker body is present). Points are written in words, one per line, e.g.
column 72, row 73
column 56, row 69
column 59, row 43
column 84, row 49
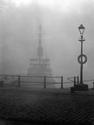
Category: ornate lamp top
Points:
column 81, row 29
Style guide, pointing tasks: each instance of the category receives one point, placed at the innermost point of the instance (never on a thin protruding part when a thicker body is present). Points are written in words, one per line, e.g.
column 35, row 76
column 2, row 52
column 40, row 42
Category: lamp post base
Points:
column 79, row 87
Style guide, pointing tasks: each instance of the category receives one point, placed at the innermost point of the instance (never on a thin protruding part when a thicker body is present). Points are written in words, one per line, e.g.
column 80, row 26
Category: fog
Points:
column 60, row 20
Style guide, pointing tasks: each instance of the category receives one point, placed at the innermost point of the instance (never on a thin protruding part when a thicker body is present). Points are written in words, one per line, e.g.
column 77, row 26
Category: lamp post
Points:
column 82, row 59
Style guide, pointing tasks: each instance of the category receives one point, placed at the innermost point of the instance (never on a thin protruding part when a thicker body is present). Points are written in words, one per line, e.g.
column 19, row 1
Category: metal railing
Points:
column 40, row 81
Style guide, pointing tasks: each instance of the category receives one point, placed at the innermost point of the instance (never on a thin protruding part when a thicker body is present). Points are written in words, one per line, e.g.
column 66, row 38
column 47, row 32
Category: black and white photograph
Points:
column 46, row 62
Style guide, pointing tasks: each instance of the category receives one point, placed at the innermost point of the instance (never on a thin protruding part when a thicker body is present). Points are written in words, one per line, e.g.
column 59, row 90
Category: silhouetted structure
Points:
column 40, row 66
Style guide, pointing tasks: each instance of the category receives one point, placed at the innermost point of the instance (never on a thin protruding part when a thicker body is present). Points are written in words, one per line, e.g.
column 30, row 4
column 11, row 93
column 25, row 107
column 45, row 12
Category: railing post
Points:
column 93, row 84
column 19, row 81
column 74, row 80
column 61, row 82
column 77, row 80
column 44, row 81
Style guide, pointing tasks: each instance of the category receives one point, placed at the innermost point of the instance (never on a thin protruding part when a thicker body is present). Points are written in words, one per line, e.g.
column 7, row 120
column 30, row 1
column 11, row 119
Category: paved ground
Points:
column 47, row 105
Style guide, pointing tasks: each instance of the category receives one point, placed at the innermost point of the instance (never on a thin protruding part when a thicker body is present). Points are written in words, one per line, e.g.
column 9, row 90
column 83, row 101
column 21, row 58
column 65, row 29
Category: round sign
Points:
column 84, row 59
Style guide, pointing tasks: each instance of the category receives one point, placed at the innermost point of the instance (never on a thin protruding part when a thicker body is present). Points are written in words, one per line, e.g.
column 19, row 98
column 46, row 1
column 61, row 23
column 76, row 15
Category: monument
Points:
column 40, row 66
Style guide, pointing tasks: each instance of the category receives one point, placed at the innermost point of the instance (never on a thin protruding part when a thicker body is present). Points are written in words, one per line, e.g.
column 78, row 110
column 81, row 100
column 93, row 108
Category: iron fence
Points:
column 40, row 81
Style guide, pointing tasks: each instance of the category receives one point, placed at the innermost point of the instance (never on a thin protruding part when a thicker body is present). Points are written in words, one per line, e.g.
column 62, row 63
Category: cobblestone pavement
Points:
column 56, row 106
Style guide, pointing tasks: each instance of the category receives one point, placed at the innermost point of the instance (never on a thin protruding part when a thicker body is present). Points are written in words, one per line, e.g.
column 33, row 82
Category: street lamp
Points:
column 82, row 58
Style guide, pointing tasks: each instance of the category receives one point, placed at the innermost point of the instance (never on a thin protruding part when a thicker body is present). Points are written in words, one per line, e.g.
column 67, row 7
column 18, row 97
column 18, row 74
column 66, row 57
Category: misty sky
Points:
column 60, row 19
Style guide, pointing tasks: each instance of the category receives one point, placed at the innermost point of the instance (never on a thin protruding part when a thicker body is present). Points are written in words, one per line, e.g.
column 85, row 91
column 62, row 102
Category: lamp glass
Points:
column 81, row 29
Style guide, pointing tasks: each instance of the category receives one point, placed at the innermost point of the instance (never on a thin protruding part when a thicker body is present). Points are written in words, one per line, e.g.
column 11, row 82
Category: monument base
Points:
column 79, row 87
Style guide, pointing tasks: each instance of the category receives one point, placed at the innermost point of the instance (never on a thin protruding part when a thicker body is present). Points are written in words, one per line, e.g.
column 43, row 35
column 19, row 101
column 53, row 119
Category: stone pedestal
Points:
column 1, row 83
column 79, row 87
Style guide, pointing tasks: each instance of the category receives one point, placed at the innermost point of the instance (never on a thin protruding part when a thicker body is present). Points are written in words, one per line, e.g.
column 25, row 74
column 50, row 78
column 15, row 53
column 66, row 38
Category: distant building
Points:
column 40, row 66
